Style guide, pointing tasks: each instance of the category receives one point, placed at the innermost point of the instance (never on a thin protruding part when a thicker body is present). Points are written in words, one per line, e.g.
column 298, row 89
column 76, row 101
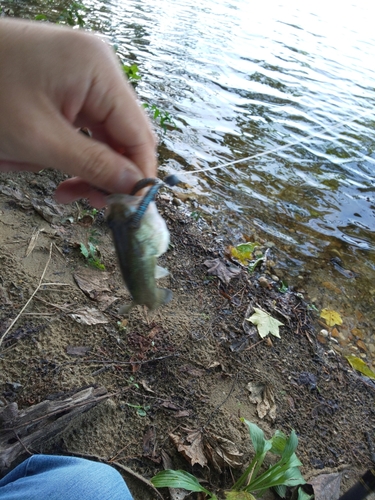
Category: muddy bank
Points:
column 186, row 367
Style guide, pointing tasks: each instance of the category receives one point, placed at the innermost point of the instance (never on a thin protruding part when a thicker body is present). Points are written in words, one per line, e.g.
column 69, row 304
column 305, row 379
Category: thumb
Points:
column 91, row 160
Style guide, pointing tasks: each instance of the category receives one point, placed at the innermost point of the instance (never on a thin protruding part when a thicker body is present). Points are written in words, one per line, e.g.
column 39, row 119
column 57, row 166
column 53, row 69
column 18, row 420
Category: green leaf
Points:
column 92, row 249
column 243, row 252
column 40, row 17
column 280, row 490
column 265, row 323
column 290, row 446
column 178, row 479
column 260, row 444
column 84, row 250
column 359, row 365
column 278, row 441
column 302, row 495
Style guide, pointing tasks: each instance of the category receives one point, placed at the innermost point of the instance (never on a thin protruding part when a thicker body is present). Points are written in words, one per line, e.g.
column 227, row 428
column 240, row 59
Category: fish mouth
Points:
column 170, row 180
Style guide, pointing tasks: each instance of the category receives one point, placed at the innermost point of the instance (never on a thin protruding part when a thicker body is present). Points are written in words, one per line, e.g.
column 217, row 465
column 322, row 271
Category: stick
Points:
column 30, row 299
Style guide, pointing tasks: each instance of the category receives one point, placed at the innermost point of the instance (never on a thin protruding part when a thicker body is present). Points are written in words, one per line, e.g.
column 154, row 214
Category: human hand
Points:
column 54, row 80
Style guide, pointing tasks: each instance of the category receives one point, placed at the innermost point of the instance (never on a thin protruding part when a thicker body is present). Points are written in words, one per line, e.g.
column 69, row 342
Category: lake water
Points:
column 290, row 88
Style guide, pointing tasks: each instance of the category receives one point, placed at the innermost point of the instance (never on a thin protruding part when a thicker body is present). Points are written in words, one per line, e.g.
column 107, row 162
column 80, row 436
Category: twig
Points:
column 30, row 299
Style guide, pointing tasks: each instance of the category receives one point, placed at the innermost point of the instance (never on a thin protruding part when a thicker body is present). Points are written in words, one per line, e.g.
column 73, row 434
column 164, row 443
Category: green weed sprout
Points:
column 285, row 472
column 161, row 116
column 92, row 255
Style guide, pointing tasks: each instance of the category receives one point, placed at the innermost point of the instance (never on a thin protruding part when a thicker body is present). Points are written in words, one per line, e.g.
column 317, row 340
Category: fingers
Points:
column 93, row 161
column 111, row 110
column 75, row 189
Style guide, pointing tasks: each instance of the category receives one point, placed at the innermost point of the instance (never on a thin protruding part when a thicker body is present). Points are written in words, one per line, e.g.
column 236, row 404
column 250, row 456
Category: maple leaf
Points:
column 332, row 317
column 265, row 323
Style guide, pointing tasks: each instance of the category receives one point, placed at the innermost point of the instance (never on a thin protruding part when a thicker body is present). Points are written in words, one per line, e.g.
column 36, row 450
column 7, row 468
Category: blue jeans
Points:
column 48, row 477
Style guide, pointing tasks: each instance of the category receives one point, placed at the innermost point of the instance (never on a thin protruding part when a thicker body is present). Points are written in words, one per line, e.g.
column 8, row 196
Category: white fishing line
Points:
column 282, row 148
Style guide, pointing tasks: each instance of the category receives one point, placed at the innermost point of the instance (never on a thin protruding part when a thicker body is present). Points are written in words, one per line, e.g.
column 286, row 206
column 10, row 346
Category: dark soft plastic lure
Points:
column 140, row 236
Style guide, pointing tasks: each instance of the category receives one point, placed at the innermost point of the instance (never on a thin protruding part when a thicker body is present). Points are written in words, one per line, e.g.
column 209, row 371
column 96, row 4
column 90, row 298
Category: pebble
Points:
column 324, row 333
column 264, row 283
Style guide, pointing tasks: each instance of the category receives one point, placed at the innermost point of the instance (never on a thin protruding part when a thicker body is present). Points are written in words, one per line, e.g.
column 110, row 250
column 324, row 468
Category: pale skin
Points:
column 54, row 80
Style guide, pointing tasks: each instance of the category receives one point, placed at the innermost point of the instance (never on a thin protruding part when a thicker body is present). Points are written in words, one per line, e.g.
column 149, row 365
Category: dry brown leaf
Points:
column 77, row 350
column 89, row 316
column 217, row 267
column 33, row 240
column 221, row 451
column 262, row 395
column 194, row 451
column 182, row 413
column 145, row 386
column 326, row 486
column 92, row 282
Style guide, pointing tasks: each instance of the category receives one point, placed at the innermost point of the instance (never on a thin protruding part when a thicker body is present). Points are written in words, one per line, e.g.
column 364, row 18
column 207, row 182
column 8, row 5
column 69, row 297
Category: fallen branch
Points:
column 26, row 431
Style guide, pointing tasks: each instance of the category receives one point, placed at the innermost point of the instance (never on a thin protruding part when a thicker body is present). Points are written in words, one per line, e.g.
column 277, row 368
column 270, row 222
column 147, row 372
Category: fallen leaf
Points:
column 89, row 316
column 265, row 323
column 169, row 405
column 148, row 444
column 182, row 413
column 326, row 486
column 33, row 241
column 77, row 350
column 332, row 317
column 243, row 252
column 361, row 345
column 331, row 286
column 92, row 282
column 221, row 451
column 194, row 451
column 218, row 267
column 359, row 365
column 262, row 395
column 358, row 333
column 146, row 387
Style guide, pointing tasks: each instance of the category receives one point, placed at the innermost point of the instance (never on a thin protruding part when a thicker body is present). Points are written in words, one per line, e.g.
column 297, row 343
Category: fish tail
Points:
column 163, row 296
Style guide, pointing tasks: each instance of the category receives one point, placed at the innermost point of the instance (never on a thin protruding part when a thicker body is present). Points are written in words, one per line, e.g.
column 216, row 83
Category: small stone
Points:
column 275, row 278
column 177, row 202
column 15, row 386
column 324, row 333
column 263, row 282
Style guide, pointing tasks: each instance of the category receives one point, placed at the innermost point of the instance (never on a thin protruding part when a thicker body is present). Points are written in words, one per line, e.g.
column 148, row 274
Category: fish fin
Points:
column 163, row 296
column 160, row 272
column 125, row 309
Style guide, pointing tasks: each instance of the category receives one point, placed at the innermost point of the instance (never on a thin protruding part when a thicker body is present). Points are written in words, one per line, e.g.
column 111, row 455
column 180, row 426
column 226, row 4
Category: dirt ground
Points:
column 184, row 368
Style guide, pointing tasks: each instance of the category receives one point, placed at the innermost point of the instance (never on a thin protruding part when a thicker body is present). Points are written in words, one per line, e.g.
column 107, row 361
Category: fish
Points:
column 140, row 236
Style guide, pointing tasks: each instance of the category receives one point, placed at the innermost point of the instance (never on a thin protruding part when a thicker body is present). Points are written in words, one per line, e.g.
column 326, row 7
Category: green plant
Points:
column 131, row 71
column 141, row 410
column 158, row 114
column 91, row 252
column 285, row 472
column 71, row 15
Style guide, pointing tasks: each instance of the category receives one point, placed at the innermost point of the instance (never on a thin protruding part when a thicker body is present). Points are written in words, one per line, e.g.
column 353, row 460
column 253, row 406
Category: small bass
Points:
column 140, row 236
